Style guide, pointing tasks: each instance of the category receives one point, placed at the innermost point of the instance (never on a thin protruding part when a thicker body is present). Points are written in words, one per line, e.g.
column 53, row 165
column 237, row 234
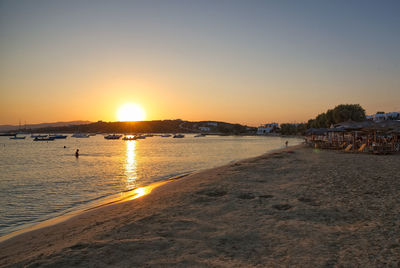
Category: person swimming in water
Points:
column 77, row 153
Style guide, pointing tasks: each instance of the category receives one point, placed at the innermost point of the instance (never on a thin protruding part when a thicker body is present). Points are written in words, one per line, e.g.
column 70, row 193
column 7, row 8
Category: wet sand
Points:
column 296, row 207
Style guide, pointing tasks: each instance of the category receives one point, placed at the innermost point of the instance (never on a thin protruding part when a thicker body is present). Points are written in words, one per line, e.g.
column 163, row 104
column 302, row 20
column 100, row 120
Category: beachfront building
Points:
column 267, row 128
column 378, row 117
column 367, row 136
column 204, row 129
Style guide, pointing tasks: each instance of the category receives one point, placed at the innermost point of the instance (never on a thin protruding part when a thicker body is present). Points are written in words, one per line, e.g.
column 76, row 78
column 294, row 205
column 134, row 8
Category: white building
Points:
column 205, row 129
column 384, row 116
column 267, row 128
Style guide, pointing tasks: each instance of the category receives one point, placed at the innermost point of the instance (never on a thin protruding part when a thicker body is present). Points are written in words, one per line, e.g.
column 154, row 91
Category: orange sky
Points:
column 224, row 61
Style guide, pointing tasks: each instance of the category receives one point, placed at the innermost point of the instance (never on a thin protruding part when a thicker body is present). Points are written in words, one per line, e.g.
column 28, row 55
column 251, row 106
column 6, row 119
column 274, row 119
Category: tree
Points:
column 340, row 113
column 346, row 112
column 293, row 129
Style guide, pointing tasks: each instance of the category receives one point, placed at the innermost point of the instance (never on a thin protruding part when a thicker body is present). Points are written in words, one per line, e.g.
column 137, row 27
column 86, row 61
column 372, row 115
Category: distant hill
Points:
column 156, row 126
column 4, row 128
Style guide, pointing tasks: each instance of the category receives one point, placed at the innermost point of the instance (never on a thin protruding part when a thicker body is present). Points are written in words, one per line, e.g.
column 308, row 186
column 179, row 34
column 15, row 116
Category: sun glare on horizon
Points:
column 131, row 112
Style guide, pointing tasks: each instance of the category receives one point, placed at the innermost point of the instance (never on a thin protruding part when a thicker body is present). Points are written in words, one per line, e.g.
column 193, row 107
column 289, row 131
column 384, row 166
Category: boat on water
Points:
column 8, row 134
column 113, row 137
column 38, row 135
column 129, row 138
column 200, row 135
column 58, row 136
column 80, row 135
column 17, row 137
column 178, row 136
column 49, row 138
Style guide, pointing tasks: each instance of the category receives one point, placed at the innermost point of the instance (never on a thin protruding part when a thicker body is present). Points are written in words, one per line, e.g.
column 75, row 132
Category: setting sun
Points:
column 131, row 112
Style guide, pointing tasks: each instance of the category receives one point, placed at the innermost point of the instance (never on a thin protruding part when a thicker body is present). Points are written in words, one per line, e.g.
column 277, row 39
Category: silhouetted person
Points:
column 77, row 153
column 286, row 143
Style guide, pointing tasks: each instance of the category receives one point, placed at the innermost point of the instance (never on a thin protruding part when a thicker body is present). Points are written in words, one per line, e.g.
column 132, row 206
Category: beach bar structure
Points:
column 367, row 136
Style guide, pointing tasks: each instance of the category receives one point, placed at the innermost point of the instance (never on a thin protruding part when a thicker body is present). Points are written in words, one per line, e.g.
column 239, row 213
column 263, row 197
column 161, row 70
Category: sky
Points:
column 248, row 62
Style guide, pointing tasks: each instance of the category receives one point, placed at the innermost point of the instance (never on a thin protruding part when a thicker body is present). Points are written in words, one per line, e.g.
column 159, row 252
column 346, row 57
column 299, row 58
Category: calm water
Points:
column 41, row 180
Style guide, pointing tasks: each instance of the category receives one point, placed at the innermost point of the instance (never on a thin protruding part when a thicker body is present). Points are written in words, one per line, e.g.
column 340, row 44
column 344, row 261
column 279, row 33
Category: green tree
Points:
column 293, row 129
column 340, row 113
column 346, row 112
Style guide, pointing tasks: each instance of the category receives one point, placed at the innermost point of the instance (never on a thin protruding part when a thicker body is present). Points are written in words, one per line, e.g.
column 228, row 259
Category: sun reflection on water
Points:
column 131, row 165
column 140, row 192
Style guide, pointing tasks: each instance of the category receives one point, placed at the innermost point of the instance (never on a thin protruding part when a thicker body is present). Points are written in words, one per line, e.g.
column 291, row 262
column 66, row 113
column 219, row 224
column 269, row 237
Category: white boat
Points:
column 178, row 136
column 7, row 134
column 113, row 137
column 58, row 136
column 80, row 135
column 129, row 138
column 18, row 137
column 38, row 135
column 44, row 138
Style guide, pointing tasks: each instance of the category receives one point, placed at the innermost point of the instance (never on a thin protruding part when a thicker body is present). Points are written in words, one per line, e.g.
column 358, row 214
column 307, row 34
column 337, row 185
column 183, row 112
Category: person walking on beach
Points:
column 77, row 153
column 286, row 143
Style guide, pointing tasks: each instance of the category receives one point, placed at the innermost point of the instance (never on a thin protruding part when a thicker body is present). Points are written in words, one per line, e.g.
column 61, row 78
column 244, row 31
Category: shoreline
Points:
column 292, row 206
column 113, row 199
column 108, row 201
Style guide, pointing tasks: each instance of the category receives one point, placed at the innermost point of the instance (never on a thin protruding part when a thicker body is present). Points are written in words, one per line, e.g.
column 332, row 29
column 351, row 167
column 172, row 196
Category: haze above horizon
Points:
column 247, row 62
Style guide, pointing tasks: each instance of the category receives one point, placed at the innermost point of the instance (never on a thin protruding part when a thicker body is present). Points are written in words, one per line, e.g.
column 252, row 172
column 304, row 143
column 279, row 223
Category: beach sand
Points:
column 296, row 207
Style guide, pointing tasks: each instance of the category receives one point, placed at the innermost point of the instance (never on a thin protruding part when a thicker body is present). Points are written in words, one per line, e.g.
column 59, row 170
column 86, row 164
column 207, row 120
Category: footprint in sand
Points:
column 305, row 200
column 212, row 192
column 78, row 246
column 308, row 201
column 246, row 196
column 282, row 206
column 266, row 196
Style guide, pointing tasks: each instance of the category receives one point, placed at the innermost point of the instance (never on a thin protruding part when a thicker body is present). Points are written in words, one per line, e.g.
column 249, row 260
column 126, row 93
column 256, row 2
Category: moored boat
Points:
column 129, row 138
column 17, row 137
column 8, row 134
column 38, row 135
column 113, row 137
column 44, row 138
column 80, row 135
column 178, row 136
column 58, row 136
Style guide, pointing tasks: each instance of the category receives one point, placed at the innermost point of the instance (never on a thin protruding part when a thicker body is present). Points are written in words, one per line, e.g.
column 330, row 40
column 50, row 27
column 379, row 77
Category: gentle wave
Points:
column 41, row 180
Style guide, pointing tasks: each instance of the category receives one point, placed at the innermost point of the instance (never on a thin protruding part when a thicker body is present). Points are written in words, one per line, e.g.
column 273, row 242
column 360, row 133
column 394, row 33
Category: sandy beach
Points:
column 295, row 207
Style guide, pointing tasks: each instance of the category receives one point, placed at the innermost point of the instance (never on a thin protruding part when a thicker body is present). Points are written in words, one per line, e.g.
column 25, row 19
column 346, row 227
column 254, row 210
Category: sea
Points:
column 40, row 180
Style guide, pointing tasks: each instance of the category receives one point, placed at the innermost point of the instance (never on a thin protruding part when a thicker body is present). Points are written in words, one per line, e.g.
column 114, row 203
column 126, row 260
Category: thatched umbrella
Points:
column 395, row 130
column 387, row 125
column 353, row 125
column 316, row 131
column 383, row 126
